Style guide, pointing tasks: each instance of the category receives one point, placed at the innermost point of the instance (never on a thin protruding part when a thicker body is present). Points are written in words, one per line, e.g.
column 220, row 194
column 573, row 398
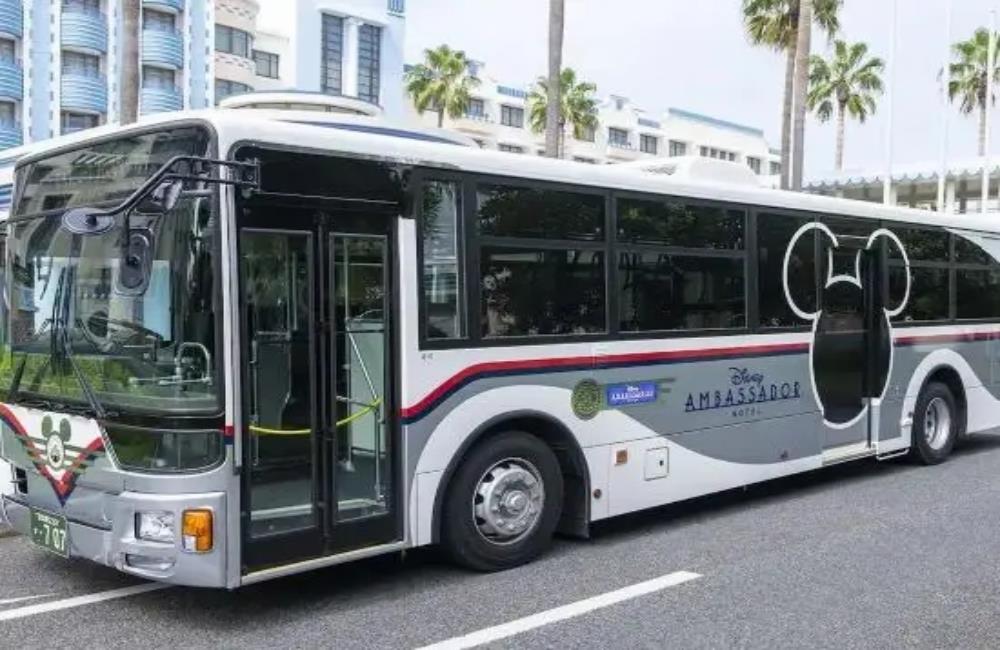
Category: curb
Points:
column 6, row 531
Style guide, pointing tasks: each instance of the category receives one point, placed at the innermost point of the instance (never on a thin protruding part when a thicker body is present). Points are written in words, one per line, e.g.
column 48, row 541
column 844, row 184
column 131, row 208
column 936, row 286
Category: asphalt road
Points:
column 860, row 555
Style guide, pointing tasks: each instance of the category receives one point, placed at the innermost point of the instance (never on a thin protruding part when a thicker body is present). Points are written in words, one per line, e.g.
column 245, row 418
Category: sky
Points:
column 694, row 54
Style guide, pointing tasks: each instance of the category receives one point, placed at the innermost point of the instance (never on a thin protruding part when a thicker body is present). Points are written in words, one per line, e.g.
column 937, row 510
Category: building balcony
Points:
column 159, row 99
column 397, row 7
column 172, row 6
column 163, row 47
column 84, row 93
column 11, row 18
column 83, row 29
column 10, row 135
column 11, row 80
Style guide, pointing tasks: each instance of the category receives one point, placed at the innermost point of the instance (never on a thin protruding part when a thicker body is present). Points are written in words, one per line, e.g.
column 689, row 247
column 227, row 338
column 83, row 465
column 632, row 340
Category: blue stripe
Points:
column 379, row 130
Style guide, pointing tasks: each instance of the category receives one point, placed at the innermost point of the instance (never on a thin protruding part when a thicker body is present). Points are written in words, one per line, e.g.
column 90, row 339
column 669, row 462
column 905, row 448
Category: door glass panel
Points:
column 278, row 305
column 361, row 348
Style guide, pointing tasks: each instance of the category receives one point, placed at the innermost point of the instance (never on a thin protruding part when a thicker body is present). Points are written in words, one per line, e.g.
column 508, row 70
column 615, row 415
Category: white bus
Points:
column 245, row 344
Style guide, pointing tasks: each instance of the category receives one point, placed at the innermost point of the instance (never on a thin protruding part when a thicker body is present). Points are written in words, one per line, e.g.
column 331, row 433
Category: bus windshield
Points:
column 84, row 330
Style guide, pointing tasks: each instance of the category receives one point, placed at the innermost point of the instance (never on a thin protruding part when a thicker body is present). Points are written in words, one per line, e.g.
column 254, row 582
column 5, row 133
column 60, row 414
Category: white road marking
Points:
column 80, row 601
column 12, row 601
column 572, row 610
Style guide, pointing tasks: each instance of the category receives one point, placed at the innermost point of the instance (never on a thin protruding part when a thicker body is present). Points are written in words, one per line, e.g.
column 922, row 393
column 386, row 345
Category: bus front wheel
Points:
column 935, row 424
column 503, row 503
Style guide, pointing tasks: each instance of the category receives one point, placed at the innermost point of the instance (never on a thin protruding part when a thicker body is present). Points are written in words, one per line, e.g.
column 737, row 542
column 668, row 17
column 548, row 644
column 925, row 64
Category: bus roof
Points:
column 375, row 137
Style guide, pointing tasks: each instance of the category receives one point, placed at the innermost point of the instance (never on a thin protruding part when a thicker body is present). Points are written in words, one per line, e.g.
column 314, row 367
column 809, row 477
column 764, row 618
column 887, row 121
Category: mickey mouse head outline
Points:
column 55, row 443
column 821, row 392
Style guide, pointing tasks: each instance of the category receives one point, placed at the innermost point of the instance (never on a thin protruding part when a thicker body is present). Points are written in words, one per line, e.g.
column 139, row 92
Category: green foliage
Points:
column 579, row 106
column 967, row 81
column 441, row 83
column 775, row 23
column 848, row 82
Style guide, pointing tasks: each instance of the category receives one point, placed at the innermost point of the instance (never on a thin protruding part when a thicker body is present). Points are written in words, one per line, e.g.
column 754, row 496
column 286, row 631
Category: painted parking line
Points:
column 565, row 612
column 80, row 601
column 13, row 601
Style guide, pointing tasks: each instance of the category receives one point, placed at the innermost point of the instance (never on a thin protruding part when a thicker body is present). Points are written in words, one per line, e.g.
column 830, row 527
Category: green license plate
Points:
column 49, row 532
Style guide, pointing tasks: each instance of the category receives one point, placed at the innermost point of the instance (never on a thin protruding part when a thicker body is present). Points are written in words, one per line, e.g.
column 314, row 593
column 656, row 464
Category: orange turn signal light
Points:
column 197, row 531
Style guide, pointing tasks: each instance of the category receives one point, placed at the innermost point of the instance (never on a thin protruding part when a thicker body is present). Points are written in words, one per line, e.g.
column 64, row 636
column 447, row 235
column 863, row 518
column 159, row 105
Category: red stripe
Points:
column 593, row 361
column 945, row 338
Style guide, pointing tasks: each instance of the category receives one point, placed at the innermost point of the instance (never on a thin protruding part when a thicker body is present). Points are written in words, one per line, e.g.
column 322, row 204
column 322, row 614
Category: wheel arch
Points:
column 575, row 519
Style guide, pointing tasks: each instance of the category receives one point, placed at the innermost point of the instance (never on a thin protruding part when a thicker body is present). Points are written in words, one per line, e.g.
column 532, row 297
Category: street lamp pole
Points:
column 945, row 83
column 990, row 63
column 891, row 75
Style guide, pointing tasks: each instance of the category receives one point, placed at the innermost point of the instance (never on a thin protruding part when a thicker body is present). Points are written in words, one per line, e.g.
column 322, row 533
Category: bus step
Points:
column 889, row 455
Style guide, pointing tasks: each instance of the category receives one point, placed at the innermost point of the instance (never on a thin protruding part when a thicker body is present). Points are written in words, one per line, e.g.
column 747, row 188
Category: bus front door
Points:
column 852, row 346
column 319, row 451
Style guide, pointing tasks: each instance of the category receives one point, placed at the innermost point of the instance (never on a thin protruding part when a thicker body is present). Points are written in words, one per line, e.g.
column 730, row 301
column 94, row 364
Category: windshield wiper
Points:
column 67, row 352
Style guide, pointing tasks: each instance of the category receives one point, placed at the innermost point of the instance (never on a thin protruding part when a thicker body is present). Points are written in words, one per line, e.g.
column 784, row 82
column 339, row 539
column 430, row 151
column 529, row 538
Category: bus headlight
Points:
column 155, row 527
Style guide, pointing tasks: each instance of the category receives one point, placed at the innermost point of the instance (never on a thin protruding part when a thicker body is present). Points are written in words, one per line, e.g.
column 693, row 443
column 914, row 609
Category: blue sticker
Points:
column 641, row 392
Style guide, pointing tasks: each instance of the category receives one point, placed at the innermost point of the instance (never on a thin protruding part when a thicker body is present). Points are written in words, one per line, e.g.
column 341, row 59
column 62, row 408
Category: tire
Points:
column 511, row 467
column 943, row 417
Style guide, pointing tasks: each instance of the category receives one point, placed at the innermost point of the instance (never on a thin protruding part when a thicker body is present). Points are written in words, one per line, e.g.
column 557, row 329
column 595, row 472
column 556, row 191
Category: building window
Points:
column 224, row 88
column 157, row 20
column 78, row 121
column 157, row 78
column 82, row 6
column 583, row 159
column 512, row 116
column 267, row 64
column 754, row 164
column 232, row 41
column 85, row 65
column 511, row 148
column 7, row 115
column 587, row 134
column 719, row 154
column 618, row 138
column 7, row 50
column 369, row 60
column 648, row 143
column 775, row 168
column 440, row 219
column 476, row 109
column 332, row 55
column 678, row 148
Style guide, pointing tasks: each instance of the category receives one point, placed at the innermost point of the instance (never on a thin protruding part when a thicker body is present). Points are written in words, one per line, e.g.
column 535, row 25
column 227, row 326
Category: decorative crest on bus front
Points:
column 61, row 447
column 833, row 368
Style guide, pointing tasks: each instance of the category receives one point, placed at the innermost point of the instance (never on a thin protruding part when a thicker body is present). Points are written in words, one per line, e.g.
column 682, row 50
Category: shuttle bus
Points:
column 244, row 344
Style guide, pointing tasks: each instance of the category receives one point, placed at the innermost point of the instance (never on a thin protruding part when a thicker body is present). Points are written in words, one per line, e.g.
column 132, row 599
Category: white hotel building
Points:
column 497, row 118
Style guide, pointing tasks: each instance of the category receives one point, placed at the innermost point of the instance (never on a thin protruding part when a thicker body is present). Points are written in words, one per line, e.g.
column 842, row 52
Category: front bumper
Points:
column 117, row 546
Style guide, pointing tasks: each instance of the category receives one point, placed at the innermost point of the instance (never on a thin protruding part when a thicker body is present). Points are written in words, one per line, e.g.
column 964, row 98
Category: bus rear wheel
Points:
column 935, row 424
column 503, row 503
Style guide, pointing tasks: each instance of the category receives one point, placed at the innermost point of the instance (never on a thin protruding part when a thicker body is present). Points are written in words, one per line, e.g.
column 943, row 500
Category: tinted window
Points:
column 547, row 214
column 928, row 245
column 440, row 213
column 660, row 291
column 928, row 292
column 528, row 292
column 977, row 293
column 677, row 224
column 966, row 252
column 774, row 234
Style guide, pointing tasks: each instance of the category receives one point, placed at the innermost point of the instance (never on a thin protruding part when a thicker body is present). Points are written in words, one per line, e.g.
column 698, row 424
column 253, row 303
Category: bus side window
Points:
column 440, row 219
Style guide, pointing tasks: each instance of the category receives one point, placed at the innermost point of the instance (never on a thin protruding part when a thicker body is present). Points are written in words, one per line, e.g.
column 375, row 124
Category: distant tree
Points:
column 968, row 77
column 441, row 83
column 554, row 122
column 846, row 85
column 775, row 24
column 578, row 106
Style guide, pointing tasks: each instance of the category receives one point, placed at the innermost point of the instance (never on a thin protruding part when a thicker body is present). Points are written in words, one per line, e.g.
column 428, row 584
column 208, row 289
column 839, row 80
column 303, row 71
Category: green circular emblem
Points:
column 586, row 399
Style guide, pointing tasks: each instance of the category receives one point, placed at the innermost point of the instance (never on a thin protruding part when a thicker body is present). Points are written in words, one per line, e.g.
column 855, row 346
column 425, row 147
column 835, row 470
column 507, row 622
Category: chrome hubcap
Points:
column 508, row 501
column 937, row 423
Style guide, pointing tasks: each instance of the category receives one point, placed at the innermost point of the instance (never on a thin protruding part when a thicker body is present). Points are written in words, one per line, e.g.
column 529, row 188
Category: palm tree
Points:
column 554, row 122
column 128, row 109
column 846, row 84
column 441, row 83
column 800, row 85
column 968, row 77
column 775, row 24
column 578, row 107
